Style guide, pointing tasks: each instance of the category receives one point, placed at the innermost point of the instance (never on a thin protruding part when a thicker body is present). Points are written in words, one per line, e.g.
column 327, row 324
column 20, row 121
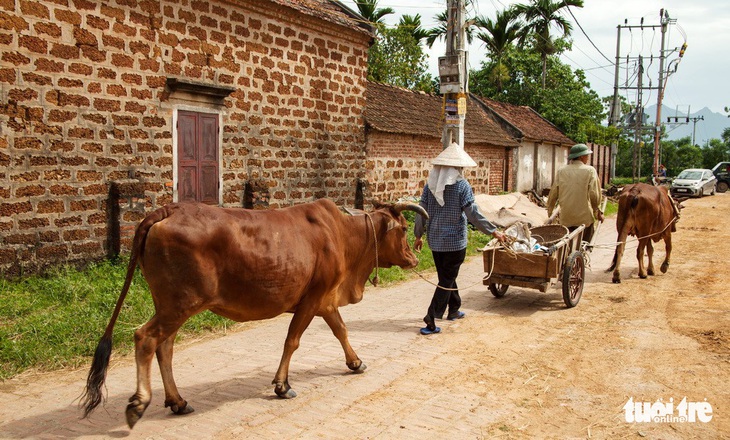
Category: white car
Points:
column 694, row 182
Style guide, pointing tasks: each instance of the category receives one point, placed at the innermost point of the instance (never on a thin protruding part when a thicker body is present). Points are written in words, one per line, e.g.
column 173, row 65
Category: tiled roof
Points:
column 396, row 110
column 527, row 121
column 330, row 10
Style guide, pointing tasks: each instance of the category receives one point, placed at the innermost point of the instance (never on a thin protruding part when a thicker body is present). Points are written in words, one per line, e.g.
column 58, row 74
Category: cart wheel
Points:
column 573, row 277
column 498, row 290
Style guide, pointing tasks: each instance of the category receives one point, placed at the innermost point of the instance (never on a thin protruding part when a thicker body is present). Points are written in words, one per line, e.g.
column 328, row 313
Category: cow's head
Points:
column 393, row 248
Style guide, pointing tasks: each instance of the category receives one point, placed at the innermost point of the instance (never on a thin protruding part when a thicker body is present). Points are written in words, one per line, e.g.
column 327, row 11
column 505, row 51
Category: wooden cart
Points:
column 564, row 261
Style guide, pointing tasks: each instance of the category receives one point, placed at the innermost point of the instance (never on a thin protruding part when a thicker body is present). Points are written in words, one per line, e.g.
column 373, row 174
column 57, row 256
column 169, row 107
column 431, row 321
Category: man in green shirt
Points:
column 577, row 191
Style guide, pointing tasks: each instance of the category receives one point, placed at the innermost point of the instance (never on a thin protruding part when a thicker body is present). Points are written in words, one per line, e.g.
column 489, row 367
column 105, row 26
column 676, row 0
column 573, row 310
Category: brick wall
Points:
column 398, row 165
column 84, row 104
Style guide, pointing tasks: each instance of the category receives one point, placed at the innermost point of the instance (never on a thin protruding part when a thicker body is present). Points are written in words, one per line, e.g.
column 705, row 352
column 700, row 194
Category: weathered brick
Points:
column 48, row 237
column 63, row 190
column 15, row 58
column 122, row 60
column 93, row 53
column 58, row 174
column 75, row 234
column 97, row 22
column 112, row 41
column 81, row 133
column 36, row 161
column 33, row 44
column 41, row 80
column 52, row 253
column 74, row 161
column 33, row 223
column 30, row 190
column 8, row 76
column 46, row 65
column 67, row 16
column 9, row 209
column 50, row 206
column 50, row 29
column 81, row 69
column 88, row 248
column 64, row 51
column 84, row 205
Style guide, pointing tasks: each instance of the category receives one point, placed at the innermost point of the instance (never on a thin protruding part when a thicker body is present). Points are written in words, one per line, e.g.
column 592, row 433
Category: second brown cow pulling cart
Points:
column 562, row 258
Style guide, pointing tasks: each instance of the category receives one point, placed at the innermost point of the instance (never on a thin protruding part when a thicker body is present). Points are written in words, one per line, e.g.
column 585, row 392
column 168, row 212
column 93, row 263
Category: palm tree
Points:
column 440, row 31
column 539, row 15
column 370, row 11
column 413, row 25
column 498, row 36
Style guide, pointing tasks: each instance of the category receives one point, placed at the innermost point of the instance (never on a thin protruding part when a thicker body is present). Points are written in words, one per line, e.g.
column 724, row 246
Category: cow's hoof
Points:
column 357, row 369
column 616, row 281
column 664, row 268
column 650, row 273
column 284, row 391
column 642, row 276
column 134, row 412
column 180, row 410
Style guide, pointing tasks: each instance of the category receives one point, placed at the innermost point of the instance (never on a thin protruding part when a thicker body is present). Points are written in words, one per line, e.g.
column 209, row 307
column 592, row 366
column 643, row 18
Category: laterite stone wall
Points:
column 84, row 104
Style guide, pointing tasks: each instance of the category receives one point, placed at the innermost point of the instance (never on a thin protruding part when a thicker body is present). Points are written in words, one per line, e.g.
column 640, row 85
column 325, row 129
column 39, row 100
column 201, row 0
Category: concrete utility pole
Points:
column 453, row 75
column 664, row 74
column 615, row 114
column 664, row 18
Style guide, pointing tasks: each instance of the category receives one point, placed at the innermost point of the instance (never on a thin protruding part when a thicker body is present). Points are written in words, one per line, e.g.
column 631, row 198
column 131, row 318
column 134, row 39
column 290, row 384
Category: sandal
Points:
column 455, row 316
column 427, row 331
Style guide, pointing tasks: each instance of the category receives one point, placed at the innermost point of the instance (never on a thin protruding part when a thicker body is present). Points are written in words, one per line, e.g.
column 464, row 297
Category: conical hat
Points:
column 454, row 156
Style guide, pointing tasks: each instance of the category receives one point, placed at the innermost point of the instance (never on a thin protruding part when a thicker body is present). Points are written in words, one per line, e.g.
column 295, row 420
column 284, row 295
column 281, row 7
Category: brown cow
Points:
column 249, row 265
column 649, row 213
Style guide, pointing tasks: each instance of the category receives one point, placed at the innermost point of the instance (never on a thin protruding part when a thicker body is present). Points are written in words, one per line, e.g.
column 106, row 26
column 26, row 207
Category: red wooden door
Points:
column 197, row 144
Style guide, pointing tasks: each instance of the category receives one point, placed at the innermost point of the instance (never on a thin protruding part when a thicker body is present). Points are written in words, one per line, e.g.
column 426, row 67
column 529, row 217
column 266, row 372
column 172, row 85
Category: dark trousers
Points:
column 447, row 267
column 587, row 232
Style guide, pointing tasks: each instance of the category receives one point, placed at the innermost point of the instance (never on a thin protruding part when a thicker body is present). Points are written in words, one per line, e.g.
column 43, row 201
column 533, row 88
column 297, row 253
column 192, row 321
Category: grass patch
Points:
column 55, row 320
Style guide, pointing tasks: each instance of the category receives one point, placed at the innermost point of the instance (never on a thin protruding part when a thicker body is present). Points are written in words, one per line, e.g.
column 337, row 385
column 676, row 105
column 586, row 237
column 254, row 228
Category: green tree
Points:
column 498, row 36
column 396, row 58
column 715, row 151
column 413, row 24
column 566, row 100
column 539, row 16
column 372, row 13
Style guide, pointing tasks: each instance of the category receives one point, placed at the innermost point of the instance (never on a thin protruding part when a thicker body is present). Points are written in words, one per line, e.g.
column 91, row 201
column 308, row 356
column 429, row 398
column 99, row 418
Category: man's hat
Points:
column 579, row 150
column 454, row 156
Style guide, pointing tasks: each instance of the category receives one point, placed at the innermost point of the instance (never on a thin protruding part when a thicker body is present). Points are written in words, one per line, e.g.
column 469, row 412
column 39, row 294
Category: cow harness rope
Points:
column 374, row 281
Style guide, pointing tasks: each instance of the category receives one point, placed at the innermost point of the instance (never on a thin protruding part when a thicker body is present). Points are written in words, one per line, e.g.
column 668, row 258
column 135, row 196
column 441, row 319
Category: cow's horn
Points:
column 411, row 207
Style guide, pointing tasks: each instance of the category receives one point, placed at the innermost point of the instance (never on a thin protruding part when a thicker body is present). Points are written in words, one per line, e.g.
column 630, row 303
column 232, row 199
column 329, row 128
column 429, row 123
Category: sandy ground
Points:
column 520, row 367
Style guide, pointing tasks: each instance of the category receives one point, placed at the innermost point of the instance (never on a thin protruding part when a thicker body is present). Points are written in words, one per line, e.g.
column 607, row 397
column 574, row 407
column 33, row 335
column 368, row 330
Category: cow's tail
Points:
column 623, row 223
column 93, row 395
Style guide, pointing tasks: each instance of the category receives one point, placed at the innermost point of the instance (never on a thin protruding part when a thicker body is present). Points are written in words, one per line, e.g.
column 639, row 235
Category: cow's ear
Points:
column 392, row 224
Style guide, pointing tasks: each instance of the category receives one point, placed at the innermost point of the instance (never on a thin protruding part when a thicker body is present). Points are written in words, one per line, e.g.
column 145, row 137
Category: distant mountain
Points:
column 711, row 127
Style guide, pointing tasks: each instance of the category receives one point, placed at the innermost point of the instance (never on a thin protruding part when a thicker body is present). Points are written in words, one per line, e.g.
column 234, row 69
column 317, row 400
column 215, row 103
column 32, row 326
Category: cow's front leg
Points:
column 650, row 257
column 300, row 321
column 334, row 320
column 640, row 257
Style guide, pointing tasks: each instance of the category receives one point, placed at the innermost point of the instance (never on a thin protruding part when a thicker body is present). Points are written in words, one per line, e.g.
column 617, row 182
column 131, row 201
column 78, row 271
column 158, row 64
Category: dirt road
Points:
column 520, row 367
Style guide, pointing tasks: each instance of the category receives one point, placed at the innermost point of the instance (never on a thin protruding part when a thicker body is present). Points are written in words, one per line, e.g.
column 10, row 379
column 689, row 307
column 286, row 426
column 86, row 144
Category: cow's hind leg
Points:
column 146, row 340
column 640, row 257
column 300, row 321
column 334, row 320
column 173, row 400
column 668, row 249
column 650, row 257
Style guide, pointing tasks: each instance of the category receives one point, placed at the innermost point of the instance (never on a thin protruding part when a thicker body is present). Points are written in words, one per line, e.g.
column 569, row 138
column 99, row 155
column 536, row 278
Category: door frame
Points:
column 175, row 158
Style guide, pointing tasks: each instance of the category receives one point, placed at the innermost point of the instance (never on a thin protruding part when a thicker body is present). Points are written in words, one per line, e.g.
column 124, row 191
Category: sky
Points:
column 702, row 75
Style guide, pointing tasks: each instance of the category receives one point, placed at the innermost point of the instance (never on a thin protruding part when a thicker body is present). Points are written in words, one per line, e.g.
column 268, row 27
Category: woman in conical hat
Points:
column 449, row 201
